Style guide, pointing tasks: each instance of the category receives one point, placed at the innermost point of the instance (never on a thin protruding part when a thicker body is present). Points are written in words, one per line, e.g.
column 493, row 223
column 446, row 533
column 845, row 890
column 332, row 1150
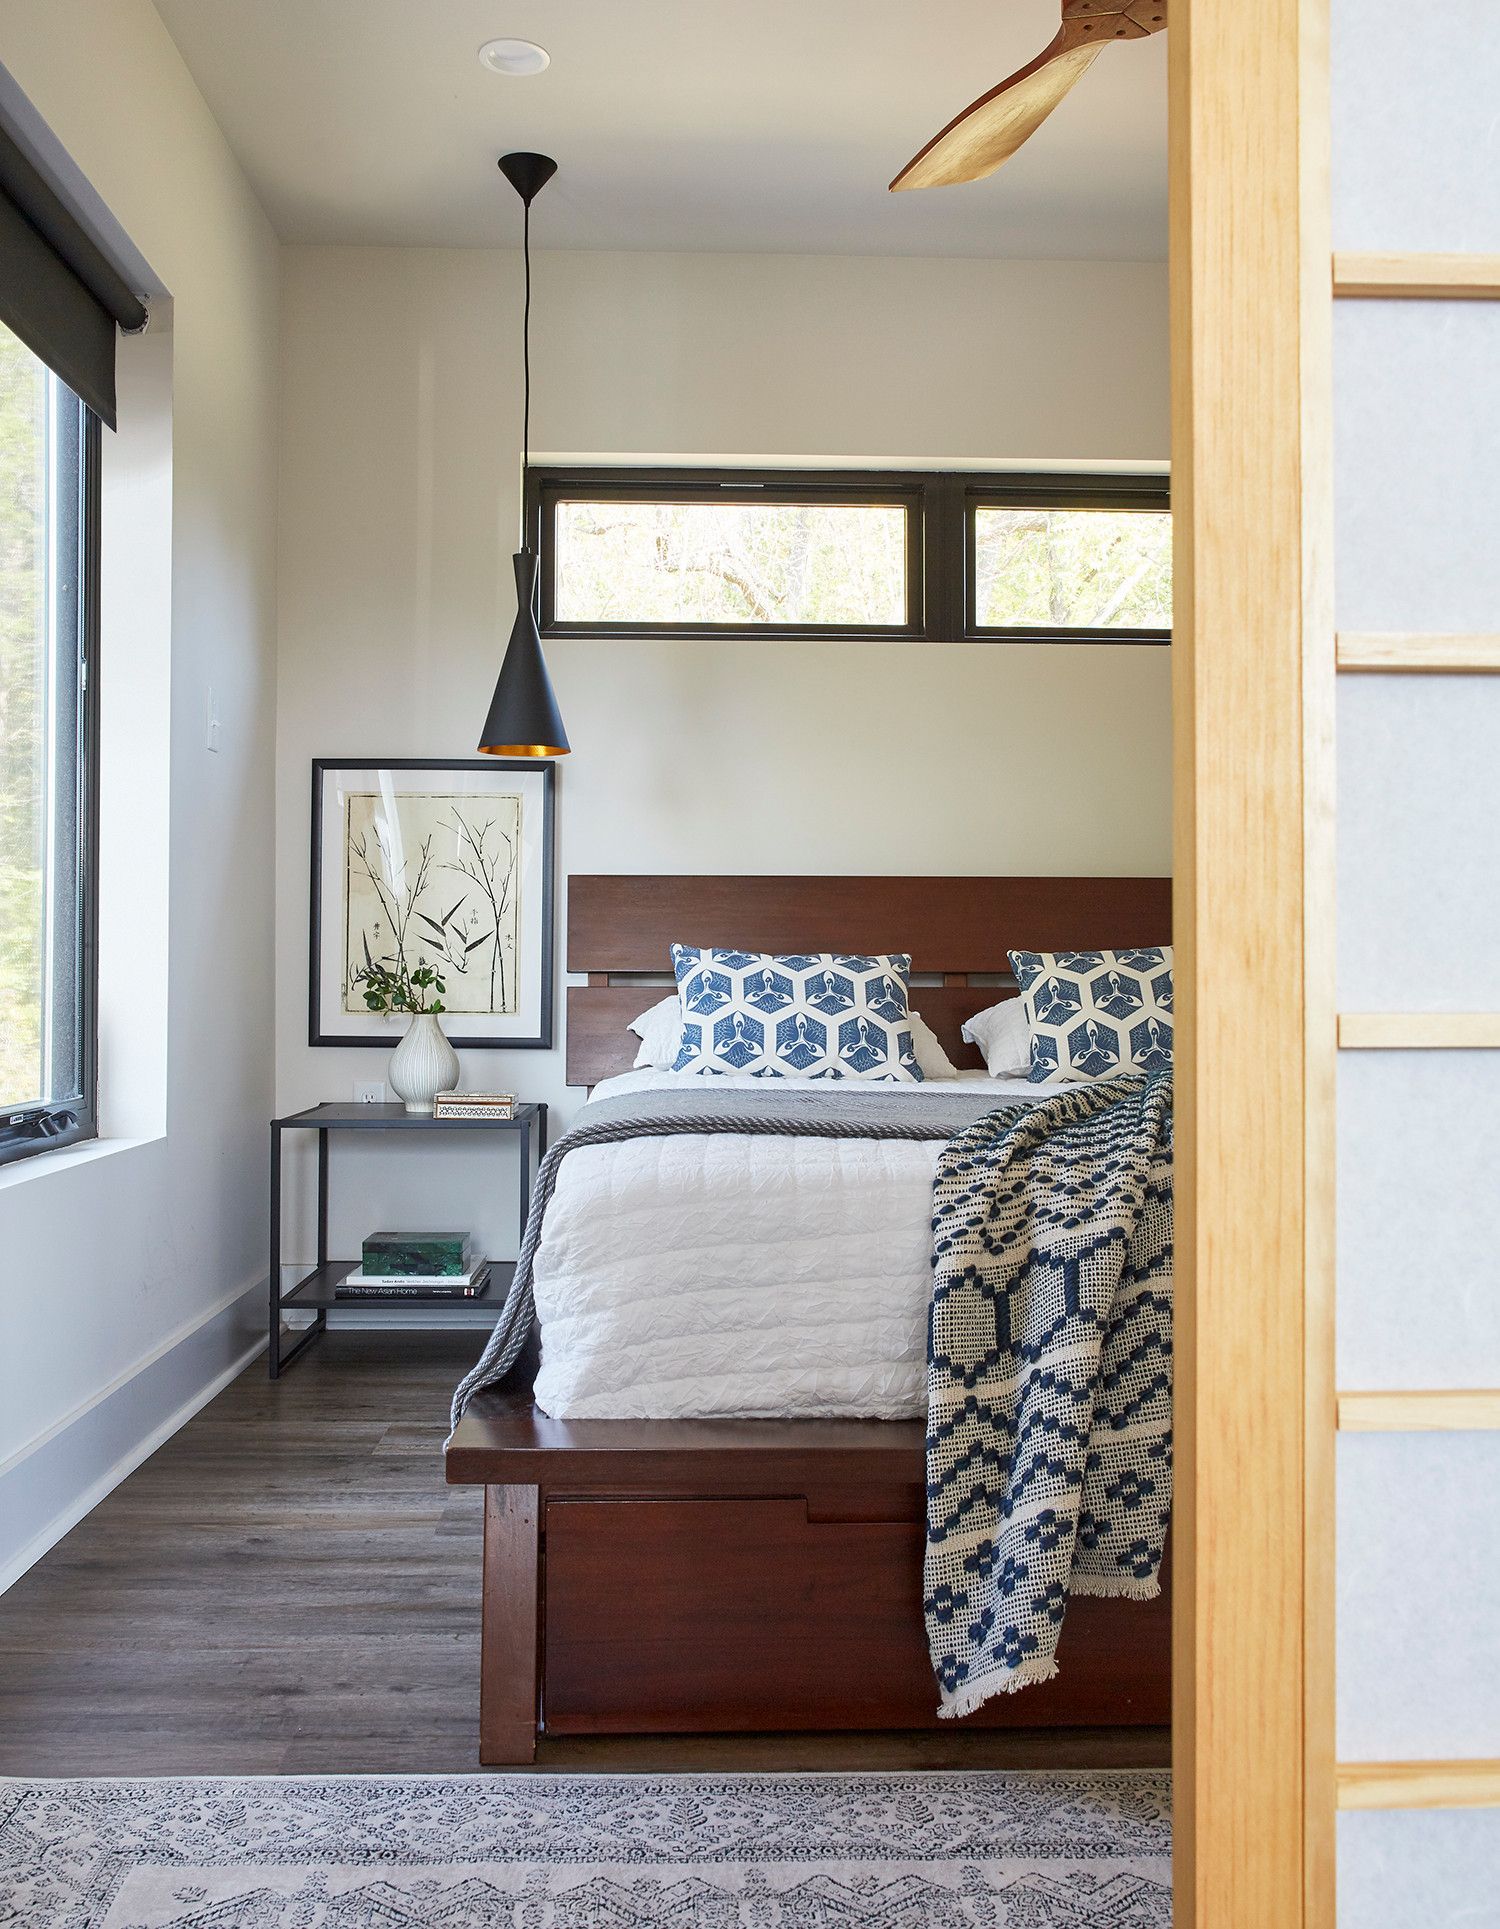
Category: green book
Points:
column 392, row 1255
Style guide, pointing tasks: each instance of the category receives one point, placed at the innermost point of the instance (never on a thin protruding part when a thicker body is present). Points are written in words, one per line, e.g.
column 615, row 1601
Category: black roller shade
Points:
column 58, row 291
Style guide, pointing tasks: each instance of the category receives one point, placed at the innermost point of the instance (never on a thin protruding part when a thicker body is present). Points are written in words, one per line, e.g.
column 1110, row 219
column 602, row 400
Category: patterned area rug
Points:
column 985, row 1851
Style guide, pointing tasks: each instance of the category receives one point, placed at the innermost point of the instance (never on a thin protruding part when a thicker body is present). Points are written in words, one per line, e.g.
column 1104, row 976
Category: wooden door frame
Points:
column 1253, row 702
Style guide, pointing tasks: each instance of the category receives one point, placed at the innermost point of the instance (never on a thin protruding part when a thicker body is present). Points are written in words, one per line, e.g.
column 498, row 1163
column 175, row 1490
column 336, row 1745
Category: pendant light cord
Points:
column 526, row 375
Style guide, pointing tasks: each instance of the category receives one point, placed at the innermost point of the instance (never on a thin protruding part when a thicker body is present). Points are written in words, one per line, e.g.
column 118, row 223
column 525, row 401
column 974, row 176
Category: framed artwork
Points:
column 443, row 862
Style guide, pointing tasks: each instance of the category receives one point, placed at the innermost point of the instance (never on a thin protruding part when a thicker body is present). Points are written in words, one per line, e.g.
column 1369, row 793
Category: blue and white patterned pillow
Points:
column 814, row 1015
column 1093, row 1014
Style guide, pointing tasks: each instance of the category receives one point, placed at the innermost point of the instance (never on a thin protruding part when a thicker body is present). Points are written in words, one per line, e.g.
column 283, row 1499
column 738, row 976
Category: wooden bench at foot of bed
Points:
column 737, row 1576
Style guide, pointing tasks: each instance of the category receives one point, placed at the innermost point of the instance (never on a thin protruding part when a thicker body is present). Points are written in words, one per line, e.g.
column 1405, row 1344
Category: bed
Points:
column 748, row 1277
column 682, row 1572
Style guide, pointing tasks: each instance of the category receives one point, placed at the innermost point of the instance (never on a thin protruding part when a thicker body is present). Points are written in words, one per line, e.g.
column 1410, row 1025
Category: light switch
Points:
column 212, row 732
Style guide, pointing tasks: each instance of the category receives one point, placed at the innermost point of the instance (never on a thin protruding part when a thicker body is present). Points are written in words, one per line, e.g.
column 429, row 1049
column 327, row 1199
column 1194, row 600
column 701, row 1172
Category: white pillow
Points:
column 934, row 1061
column 1003, row 1035
column 660, row 1033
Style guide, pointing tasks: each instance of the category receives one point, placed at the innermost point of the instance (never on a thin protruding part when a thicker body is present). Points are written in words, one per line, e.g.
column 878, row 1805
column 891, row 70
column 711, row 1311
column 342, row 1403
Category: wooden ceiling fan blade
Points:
column 986, row 134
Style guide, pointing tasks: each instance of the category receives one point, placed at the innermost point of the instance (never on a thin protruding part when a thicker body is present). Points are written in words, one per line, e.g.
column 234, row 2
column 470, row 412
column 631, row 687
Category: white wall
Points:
column 126, row 1266
column 400, row 466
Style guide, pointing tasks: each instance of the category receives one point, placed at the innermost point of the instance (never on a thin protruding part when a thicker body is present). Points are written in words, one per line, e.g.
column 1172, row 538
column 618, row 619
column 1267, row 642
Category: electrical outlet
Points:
column 369, row 1091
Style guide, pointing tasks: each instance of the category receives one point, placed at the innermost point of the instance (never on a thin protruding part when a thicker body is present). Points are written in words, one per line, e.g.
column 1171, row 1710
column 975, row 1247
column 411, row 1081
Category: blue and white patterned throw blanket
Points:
column 1049, row 1436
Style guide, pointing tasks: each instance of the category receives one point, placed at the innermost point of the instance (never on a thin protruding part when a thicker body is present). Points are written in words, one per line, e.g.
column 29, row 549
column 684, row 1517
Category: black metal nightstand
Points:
column 316, row 1291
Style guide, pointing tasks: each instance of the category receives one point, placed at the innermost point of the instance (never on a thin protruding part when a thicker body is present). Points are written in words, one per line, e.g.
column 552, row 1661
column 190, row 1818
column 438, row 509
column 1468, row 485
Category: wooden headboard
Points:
column 621, row 929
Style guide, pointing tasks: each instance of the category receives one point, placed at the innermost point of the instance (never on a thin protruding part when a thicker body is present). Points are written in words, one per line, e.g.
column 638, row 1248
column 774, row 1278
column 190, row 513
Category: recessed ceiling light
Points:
column 515, row 57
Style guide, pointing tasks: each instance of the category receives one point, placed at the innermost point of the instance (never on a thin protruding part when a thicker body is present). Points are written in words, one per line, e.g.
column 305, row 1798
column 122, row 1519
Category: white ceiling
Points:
column 699, row 125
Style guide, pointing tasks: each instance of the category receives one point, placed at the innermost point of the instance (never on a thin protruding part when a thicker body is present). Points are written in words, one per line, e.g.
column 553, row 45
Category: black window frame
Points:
column 1151, row 494
column 548, row 486
column 941, row 506
column 71, row 1117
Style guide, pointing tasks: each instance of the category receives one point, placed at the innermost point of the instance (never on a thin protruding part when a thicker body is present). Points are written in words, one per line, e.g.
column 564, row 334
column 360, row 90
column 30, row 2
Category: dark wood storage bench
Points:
column 723, row 1576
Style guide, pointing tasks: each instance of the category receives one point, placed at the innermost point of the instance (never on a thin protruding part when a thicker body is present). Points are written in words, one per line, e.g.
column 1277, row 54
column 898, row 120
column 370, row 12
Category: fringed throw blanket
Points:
column 1049, row 1438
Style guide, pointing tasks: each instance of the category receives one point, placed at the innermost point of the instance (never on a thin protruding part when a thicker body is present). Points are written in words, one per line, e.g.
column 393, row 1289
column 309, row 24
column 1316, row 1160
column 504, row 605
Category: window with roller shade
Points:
column 48, row 553
column 61, row 307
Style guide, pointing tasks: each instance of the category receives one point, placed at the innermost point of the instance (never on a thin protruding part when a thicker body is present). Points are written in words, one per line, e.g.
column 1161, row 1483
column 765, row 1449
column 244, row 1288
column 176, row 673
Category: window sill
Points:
column 64, row 1158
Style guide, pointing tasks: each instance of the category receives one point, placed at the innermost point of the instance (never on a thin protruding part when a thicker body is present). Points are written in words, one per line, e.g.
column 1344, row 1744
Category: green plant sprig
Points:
column 386, row 988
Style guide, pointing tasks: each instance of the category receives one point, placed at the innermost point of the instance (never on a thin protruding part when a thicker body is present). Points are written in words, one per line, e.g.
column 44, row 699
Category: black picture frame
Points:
column 542, row 1039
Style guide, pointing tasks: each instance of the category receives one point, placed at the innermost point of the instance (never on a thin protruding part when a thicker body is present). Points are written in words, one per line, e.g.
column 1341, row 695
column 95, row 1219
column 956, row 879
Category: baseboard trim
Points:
column 169, row 1344
column 47, row 1488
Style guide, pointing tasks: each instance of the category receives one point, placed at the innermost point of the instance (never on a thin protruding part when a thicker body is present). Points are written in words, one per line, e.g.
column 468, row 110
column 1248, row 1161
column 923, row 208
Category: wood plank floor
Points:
column 287, row 1587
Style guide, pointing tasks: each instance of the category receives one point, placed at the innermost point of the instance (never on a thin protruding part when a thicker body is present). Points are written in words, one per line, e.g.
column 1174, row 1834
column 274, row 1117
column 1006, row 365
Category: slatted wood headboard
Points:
column 621, row 929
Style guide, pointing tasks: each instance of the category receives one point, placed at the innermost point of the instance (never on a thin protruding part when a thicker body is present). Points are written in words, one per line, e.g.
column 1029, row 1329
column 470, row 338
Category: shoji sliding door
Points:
column 1416, row 485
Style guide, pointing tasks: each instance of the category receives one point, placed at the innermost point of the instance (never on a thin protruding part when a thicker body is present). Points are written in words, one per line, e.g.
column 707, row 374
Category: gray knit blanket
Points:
column 787, row 1109
column 1049, row 1438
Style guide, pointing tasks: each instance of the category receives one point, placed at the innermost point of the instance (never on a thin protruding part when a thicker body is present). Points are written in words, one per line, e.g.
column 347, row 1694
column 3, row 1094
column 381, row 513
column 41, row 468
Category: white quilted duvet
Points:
column 729, row 1274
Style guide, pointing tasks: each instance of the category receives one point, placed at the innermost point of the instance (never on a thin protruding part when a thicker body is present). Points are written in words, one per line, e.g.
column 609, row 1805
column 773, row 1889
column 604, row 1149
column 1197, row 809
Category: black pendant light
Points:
column 524, row 720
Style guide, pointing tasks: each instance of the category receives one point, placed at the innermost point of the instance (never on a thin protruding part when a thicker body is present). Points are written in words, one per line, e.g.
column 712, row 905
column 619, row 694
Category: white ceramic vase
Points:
column 423, row 1064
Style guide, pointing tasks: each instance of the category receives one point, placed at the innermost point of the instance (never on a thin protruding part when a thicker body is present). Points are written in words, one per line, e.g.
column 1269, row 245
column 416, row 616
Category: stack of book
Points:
column 417, row 1265
column 474, row 1105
